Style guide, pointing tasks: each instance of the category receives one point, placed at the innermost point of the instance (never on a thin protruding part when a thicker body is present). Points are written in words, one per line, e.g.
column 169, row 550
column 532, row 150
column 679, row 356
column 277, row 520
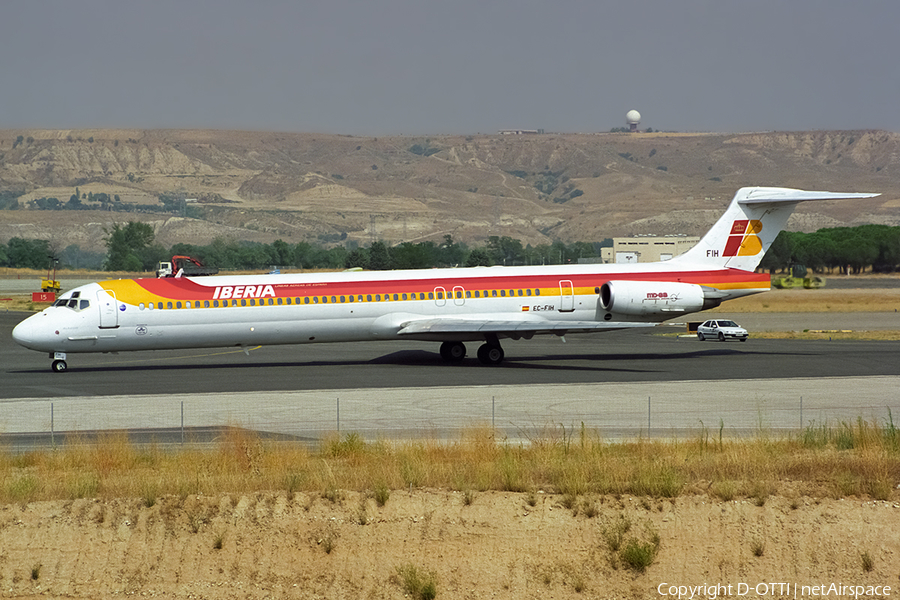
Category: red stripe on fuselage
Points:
column 186, row 289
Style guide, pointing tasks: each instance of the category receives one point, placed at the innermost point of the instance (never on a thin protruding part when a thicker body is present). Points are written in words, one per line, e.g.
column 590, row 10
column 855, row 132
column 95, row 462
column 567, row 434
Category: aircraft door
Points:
column 459, row 295
column 109, row 314
column 440, row 296
column 566, row 296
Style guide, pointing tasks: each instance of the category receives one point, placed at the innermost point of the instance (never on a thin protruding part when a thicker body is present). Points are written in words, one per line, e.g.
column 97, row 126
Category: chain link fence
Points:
column 613, row 411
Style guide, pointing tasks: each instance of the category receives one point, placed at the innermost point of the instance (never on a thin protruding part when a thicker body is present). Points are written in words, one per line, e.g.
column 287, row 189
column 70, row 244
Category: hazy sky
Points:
column 377, row 67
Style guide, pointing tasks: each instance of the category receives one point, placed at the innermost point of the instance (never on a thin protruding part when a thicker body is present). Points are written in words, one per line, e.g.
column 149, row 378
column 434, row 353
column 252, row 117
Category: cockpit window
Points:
column 74, row 303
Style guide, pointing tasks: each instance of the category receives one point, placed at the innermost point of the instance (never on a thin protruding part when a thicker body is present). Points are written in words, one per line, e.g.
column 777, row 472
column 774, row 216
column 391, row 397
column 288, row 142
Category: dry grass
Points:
column 877, row 335
column 822, row 300
column 848, row 459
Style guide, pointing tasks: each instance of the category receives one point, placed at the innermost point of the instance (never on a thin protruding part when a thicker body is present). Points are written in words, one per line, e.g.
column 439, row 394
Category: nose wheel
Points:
column 59, row 366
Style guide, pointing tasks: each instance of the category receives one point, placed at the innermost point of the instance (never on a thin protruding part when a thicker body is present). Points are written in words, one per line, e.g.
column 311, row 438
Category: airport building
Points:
column 647, row 248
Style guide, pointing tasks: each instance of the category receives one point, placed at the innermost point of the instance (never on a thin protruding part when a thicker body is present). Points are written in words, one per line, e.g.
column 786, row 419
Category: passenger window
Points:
column 178, row 305
column 503, row 293
column 528, row 292
column 206, row 304
column 431, row 295
column 440, row 295
column 150, row 306
column 396, row 297
column 377, row 297
column 494, row 293
column 404, row 296
column 168, row 306
column 368, row 297
column 537, row 292
column 141, row 306
column 468, row 294
column 343, row 299
column 333, row 300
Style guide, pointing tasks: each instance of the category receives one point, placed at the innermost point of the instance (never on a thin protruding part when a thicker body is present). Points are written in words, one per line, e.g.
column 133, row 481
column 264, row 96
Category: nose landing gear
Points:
column 59, row 362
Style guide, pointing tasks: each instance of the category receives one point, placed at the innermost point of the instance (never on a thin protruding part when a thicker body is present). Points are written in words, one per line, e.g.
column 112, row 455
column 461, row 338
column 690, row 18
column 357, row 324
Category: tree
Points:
column 479, row 257
column 451, row 253
column 414, row 256
column 27, row 254
column 358, row 259
column 379, row 257
column 505, row 250
column 126, row 247
column 282, row 253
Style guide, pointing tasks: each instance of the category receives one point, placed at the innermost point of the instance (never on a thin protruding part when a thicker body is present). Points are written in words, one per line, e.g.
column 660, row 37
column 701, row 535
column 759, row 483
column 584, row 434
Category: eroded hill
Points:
column 318, row 187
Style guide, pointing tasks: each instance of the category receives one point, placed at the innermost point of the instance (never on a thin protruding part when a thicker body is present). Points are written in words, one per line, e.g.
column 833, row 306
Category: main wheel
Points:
column 721, row 337
column 453, row 351
column 490, row 354
column 700, row 336
column 59, row 366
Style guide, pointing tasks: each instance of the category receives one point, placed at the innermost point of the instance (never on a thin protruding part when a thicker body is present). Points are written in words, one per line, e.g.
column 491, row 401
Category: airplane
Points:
column 451, row 305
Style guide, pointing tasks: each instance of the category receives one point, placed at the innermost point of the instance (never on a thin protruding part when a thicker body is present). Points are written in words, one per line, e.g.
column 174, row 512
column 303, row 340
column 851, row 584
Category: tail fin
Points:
column 756, row 215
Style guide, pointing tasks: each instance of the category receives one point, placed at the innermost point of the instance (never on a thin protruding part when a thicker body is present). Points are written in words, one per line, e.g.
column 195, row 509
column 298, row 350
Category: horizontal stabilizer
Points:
column 761, row 195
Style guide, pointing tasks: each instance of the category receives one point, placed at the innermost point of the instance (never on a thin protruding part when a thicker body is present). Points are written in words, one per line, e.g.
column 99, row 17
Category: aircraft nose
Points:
column 26, row 334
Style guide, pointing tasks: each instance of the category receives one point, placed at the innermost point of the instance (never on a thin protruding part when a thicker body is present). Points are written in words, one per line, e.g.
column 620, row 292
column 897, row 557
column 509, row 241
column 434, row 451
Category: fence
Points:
column 613, row 410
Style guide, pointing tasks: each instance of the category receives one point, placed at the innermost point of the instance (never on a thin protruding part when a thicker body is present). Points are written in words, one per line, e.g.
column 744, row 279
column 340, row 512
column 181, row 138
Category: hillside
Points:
column 318, row 187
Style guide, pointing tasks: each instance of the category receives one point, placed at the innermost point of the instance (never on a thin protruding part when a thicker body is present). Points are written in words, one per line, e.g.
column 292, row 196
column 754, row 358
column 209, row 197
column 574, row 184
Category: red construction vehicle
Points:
column 185, row 265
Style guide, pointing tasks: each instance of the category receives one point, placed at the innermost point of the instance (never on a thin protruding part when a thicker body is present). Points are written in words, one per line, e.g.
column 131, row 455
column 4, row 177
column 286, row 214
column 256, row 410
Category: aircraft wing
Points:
column 518, row 327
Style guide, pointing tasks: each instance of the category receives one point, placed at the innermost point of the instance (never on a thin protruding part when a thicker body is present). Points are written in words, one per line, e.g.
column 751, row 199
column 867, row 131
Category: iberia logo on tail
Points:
column 743, row 241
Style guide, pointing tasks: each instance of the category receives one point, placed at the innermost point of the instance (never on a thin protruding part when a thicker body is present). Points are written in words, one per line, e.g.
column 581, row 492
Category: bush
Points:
column 416, row 582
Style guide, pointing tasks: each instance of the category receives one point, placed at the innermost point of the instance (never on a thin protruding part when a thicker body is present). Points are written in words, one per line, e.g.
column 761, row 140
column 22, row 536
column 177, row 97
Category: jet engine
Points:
column 650, row 298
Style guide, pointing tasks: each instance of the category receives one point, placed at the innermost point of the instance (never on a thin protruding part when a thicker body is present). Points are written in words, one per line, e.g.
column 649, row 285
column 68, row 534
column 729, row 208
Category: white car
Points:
column 721, row 329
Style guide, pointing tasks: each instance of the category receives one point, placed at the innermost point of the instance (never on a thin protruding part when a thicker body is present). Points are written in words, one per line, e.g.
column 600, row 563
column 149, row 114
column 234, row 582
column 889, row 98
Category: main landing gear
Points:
column 490, row 353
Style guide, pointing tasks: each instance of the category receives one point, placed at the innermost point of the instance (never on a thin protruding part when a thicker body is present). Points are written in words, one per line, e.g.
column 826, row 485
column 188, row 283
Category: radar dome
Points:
column 633, row 117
